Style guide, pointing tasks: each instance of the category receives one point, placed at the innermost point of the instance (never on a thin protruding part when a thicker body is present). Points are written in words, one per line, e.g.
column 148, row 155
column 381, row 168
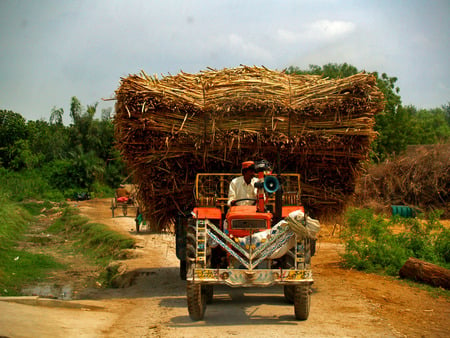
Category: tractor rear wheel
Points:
column 196, row 301
column 302, row 301
column 183, row 269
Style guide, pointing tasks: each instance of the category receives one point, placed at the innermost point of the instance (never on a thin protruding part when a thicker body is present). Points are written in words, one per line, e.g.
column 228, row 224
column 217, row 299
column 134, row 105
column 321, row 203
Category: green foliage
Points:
column 446, row 110
column 429, row 126
column 75, row 109
column 12, row 129
column 56, row 116
column 442, row 245
column 22, row 157
column 96, row 240
column 50, row 141
column 370, row 243
column 18, row 267
column 331, row 70
column 69, row 159
column 101, row 190
column 29, row 184
column 13, row 222
column 35, row 208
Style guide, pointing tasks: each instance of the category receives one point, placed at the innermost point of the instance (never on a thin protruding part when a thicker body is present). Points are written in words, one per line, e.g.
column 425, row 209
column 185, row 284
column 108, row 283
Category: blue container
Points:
column 403, row 211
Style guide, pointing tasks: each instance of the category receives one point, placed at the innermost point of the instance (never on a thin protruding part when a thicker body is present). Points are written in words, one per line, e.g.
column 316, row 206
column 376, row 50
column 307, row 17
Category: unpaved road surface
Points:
column 153, row 304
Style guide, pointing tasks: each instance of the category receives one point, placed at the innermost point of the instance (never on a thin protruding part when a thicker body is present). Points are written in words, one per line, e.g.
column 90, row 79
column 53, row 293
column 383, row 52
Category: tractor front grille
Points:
column 248, row 224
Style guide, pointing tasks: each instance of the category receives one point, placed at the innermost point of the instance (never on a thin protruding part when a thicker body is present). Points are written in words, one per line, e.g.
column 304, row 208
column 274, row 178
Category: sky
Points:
column 52, row 50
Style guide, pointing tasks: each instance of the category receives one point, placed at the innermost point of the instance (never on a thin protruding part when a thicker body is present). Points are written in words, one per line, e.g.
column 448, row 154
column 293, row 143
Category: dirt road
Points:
column 344, row 303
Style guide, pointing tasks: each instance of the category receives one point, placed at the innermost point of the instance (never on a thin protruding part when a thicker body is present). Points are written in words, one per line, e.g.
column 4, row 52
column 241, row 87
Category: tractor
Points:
column 245, row 245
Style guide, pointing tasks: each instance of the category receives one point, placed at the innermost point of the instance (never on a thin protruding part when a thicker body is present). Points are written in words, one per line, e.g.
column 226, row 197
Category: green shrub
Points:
column 13, row 222
column 96, row 240
column 371, row 245
column 27, row 184
column 100, row 190
column 442, row 245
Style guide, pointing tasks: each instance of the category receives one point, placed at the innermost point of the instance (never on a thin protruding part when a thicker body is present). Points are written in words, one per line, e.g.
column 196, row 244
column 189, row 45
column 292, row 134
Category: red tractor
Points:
column 245, row 246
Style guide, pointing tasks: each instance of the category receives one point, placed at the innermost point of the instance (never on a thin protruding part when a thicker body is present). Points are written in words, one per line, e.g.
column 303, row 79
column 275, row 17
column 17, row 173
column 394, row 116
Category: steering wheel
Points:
column 245, row 199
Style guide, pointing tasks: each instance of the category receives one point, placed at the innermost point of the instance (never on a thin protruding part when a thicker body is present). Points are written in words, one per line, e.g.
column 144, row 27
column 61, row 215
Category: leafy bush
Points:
column 95, row 239
column 371, row 244
column 27, row 184
column 442, row 245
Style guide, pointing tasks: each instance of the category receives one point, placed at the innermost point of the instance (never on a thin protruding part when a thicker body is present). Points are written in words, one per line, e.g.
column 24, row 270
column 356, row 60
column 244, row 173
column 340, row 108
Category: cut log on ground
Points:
column 425, row 272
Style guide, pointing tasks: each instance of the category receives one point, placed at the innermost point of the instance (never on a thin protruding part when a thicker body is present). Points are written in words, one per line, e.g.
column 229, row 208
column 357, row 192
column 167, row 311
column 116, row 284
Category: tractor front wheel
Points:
column 289, row 291
column 196, row 301
column 302, row 301
column 209, row 293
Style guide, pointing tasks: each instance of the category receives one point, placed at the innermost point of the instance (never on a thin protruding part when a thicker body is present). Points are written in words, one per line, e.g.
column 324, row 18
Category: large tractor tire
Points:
column 196, row 301
column 289, row 291
column 209, row 293
column 183, row 270
column 302, row 301
column 191, row 242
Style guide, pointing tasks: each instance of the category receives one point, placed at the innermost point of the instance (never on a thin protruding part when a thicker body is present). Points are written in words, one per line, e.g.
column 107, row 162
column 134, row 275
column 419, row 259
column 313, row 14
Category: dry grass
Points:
column 420, row 179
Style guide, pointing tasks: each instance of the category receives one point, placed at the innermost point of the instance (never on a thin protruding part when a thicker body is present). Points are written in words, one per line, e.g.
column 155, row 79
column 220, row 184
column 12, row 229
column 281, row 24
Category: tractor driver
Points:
column 243, row 186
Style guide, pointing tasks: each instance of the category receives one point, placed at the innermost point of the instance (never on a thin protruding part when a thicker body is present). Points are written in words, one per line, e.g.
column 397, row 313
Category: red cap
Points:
column 247, row 164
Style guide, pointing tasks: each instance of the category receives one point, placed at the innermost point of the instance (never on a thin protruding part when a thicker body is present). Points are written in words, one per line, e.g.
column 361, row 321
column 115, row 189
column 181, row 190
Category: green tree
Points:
column 50, row 140
column 106, row 114
column 431, row 126
column 12, row 129
column 446, row 109
column 76, row 109
column 86, row 167
column 56, row 116
column 22, row 157
column 331, row 70
column 392, row 123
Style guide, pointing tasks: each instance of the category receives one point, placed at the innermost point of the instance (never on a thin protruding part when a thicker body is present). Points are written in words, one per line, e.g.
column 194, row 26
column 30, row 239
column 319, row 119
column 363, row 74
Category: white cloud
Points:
column 248, row 49
column 317, row 31
column 287, row 36
column 326, row 29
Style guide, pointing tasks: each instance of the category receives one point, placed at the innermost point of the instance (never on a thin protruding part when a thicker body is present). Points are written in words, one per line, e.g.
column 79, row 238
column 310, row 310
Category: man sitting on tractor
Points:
column 243, row 187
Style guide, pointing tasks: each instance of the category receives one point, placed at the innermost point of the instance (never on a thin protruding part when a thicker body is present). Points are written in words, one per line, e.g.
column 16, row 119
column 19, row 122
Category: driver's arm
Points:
column 232, row 193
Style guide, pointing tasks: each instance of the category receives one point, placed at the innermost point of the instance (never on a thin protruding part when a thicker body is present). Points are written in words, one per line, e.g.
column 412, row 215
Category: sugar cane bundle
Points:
column 169, row 129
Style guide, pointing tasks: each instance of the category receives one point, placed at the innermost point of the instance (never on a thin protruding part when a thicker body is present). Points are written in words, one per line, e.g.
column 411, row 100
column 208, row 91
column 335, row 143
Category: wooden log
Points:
column 425, row 272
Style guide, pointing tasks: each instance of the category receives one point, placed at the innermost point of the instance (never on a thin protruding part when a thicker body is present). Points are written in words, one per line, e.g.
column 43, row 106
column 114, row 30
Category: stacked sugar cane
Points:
column 169, row 129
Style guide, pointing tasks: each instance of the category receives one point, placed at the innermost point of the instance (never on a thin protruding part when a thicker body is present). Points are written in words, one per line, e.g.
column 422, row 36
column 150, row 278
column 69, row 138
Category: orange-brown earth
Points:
column 345, row 303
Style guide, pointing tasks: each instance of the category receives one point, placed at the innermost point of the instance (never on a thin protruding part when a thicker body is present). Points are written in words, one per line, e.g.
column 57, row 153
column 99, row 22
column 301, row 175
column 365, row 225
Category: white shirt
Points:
column 239, row 189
